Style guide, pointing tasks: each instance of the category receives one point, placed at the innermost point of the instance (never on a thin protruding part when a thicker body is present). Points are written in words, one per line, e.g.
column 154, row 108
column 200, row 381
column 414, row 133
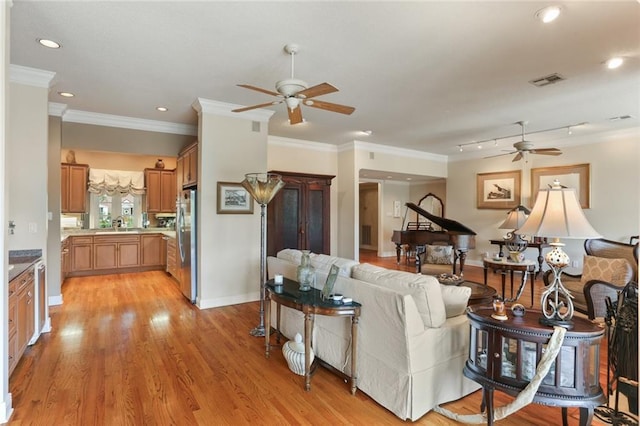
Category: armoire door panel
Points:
column 298, row 216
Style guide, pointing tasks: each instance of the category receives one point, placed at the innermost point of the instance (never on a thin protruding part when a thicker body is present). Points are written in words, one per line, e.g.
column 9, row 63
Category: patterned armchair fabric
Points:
column 609, row 266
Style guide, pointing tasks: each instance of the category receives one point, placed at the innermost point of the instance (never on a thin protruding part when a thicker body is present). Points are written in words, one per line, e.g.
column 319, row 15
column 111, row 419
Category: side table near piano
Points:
column 532, row 244
column 310, row 303
column 503, row 266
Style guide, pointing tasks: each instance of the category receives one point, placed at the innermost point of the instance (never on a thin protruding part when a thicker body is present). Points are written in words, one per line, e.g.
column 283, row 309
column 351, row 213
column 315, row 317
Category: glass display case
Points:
column 504, row 355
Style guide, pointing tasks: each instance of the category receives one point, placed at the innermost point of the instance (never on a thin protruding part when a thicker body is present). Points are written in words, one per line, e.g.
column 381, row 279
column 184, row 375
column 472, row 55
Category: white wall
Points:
column 54, row 286
column 391, row 191
column 5, row 397
column 27, row 165
column 228, row 244
column 615, row 203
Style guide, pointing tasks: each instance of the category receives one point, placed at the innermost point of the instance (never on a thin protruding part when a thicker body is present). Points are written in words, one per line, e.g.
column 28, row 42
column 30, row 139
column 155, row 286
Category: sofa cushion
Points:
column 292, row 255
column 323, row 263
column 614, row 271
column 439, row 255
column 424, row 289
column 455, row 299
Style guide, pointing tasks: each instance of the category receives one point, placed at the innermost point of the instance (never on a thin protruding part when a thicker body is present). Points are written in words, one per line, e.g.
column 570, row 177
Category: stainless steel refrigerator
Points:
column 186, row 235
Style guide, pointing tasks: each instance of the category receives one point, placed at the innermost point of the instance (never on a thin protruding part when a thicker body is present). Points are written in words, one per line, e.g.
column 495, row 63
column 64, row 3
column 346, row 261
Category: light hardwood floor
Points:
column 129, row 350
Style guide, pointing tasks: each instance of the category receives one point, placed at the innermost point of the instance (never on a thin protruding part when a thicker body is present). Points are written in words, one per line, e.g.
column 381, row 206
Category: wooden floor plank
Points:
column 129, row 349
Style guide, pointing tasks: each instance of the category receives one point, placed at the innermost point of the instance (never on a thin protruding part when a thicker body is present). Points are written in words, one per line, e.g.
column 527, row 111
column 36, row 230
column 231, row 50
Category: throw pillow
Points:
column 439, row 255
column 614, row 271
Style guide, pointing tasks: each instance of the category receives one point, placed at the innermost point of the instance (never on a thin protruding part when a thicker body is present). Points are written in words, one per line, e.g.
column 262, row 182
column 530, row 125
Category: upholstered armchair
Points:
column 436, row 259
column 608, row 267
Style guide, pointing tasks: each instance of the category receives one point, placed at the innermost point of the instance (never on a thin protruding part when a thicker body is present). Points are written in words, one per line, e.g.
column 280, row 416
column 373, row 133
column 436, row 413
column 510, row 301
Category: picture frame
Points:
column 498, row 190
column 233, row 198
column 327, row 290
column 573, row 176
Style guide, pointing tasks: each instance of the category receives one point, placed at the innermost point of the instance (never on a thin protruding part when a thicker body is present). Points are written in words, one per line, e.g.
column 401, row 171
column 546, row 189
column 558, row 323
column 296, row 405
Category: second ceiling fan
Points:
column 294, row 92
column 524, row 147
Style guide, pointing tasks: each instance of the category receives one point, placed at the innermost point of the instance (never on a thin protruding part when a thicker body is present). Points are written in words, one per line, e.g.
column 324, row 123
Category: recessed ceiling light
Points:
column 548, row 14
column 66, row 94
column 614, row 63
column 162, row 109
column 367, row 132
column 49, row 43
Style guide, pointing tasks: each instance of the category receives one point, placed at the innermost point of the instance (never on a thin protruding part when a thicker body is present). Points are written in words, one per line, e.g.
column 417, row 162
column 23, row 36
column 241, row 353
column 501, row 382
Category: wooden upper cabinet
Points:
column 161, row 190
column 188, row 162
column 73, row 190
column 299, row 215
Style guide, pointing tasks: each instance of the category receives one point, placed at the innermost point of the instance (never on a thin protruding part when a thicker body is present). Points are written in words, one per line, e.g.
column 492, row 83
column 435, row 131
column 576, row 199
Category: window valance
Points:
column 111, row 182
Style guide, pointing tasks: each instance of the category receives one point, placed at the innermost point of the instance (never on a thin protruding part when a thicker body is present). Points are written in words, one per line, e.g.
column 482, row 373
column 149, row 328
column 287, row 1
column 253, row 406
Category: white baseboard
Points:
column 6, row 410
column 47, row 326
column 227, row 301
column 55, row 300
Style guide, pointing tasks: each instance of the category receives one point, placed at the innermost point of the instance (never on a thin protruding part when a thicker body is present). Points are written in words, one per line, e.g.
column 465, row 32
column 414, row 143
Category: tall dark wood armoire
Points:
column 299, row 215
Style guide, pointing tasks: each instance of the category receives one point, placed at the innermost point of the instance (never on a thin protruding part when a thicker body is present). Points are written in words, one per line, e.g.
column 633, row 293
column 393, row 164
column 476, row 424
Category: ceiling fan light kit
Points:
column 294, row 92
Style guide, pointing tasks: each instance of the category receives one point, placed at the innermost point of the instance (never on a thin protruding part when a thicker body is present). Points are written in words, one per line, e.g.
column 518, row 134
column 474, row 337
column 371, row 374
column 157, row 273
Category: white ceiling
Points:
column 427, row 76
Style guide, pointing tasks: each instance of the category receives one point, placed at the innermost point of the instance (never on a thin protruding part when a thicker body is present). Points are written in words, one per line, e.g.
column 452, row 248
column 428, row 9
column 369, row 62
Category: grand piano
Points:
column 417, row 234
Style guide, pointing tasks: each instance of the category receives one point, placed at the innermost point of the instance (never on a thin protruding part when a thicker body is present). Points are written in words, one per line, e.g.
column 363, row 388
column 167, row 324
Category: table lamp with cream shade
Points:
column 557, row 214
column 515, row 219
column 262, row 187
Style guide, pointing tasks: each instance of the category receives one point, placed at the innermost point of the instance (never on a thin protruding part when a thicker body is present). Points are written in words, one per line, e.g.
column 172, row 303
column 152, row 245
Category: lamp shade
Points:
column 515, row 218
column 263, row 186
column 557, row 214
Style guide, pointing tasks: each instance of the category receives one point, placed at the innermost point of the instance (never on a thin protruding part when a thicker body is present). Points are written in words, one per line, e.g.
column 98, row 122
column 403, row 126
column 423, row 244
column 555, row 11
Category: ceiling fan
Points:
column 294, row 92
column 523, row 148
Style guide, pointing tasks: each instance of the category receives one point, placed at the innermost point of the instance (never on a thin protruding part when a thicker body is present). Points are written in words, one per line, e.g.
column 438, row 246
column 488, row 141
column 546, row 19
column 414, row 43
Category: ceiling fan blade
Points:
column 317, row 90
column 256, row 106
column 518, row 157
column 500, row 155
column 547, row 151
column 328, row 106
column 258, row 89
column 295, row 115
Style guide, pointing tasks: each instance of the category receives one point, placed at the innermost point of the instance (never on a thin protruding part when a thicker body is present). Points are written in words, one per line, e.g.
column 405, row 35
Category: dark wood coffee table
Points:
column 480, row 293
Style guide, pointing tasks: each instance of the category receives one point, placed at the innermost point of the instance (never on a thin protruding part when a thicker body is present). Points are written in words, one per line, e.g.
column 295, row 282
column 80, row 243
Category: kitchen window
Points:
column 107, row 208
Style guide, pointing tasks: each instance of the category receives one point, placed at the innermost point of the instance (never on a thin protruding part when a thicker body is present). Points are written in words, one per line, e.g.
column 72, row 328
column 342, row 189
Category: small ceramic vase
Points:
column 159, row 164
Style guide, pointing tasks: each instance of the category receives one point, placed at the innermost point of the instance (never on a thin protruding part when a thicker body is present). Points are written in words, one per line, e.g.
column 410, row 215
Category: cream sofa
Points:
column 413, row 333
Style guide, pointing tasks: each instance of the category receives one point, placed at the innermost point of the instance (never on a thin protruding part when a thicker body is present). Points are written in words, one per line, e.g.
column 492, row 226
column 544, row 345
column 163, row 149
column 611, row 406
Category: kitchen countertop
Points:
column 134, row 231
column 21, row 260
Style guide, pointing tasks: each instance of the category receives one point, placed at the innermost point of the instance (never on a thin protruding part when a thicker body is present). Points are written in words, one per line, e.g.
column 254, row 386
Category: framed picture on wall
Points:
column 576, row 176
column 499, row 190
column 233, row 199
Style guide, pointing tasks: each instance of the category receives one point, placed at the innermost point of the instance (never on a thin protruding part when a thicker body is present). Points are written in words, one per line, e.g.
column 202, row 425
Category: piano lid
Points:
column 449, row 225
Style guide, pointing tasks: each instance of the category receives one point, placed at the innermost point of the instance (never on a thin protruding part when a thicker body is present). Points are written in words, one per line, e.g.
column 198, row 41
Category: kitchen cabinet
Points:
column 113, row 252
column 73, row 191
column 160, row 190
column 21, row 315
column 153, row 250
column 81, row 254
column 65, row 260
column 299, row 215
column 172, row 258
column 188, row 163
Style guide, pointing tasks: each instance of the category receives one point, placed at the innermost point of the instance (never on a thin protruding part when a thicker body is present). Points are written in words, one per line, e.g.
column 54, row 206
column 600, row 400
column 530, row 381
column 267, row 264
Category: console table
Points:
column 538, row 245
column 503, row 355
column 309, row 303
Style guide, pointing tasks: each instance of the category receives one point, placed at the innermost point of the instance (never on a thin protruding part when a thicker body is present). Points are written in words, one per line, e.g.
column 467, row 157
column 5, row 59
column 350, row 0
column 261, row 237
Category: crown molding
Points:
column 301, row 144
column 85, row 117
column 385, row 149
column 225, row 109
column 30, row 76
column 57, row 109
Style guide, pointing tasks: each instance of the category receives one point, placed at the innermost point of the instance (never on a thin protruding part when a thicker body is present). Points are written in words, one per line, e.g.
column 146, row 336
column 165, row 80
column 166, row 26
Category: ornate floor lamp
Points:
column 262, row 187
column 557, row 213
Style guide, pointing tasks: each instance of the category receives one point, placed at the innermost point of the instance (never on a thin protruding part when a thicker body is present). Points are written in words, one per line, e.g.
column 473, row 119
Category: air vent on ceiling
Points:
column 546, row 80
column 621, row 117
